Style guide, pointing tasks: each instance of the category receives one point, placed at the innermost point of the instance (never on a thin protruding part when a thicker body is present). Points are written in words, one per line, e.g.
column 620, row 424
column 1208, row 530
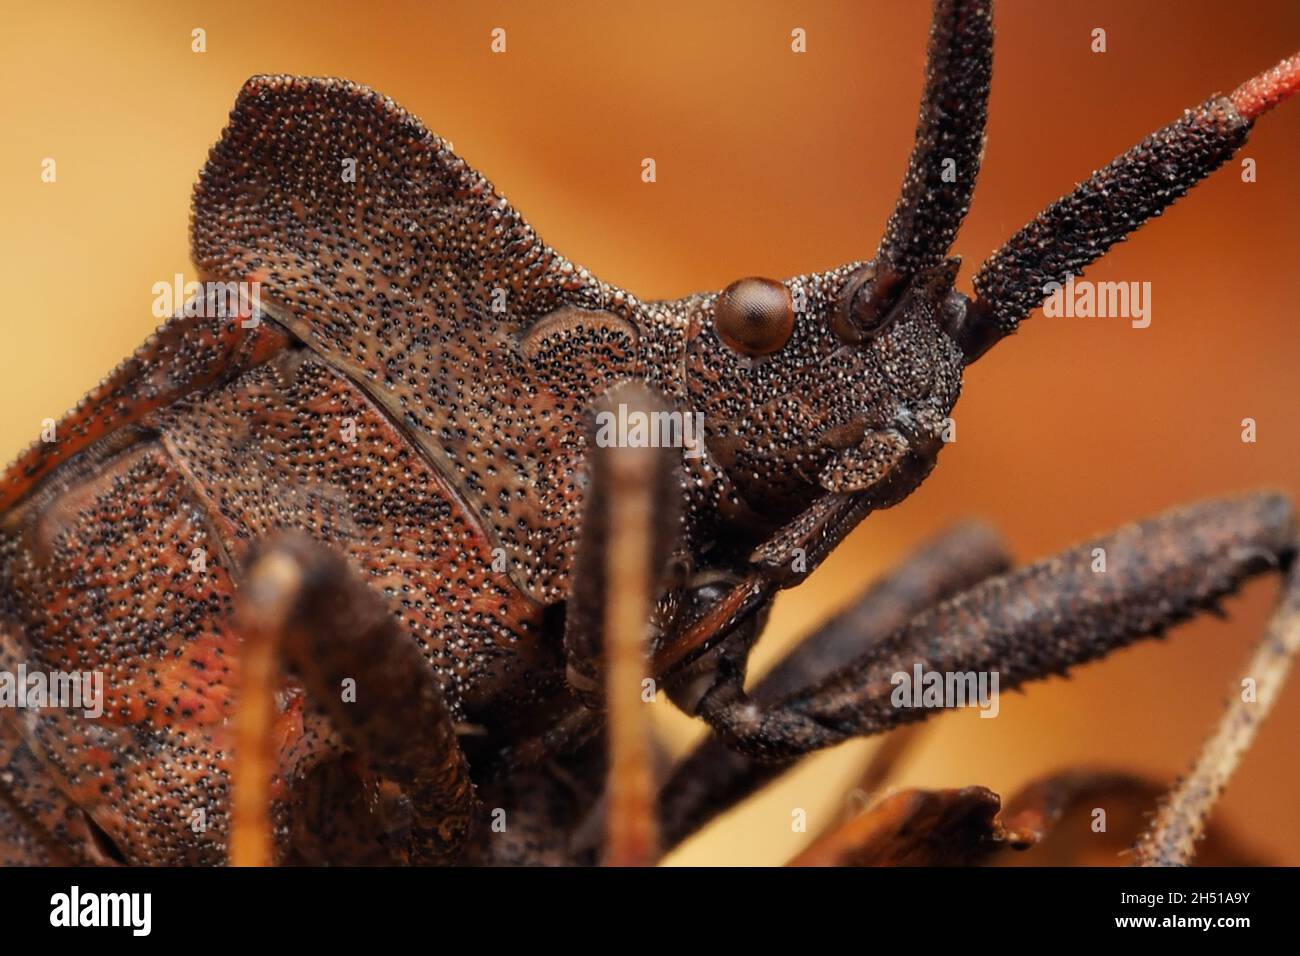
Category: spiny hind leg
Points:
column 713, row 777
column 1041, row 620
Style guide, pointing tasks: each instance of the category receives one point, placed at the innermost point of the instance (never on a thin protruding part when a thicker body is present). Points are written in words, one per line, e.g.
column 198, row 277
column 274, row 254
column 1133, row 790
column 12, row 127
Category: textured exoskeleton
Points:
column 400, row 425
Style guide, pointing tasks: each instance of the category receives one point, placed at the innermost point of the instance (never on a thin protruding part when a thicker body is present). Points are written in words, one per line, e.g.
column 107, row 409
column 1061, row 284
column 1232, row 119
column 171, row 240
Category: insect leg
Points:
column 1038, row 620
column 1180, row 822
column 630, row 526
column 645, row 475
column 713, row 777
column 302, row 602
column 918, row 828
column 785, row 559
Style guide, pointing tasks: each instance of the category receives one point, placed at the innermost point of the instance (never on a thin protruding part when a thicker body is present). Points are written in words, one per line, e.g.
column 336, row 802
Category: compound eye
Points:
column 754, row 316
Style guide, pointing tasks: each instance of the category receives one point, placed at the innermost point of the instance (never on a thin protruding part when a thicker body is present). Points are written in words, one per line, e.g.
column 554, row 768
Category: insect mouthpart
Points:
column 924, row 430
column 889, row 461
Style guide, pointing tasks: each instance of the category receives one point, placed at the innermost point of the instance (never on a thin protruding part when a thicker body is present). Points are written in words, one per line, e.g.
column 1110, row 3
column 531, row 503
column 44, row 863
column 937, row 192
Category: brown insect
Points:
column 480, row 505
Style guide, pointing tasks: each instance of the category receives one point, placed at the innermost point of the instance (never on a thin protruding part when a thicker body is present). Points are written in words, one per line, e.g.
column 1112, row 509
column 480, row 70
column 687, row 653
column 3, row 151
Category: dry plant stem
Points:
column 917, row 828
column 265, row 606
column 1180, row 822
column 945, row 827
column 630, row 823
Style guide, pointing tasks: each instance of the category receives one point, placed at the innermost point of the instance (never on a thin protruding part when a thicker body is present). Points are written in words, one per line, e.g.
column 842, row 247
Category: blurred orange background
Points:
column 768, row 163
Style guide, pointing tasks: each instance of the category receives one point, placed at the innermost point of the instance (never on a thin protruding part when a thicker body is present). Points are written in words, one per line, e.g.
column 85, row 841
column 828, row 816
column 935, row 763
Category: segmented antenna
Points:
column 1138, row 185
column 945, row 159
column 941, row 171
column 1261, row 93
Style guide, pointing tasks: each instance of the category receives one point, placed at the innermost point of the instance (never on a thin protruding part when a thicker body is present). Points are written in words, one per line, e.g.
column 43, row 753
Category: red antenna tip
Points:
column 1261, row 93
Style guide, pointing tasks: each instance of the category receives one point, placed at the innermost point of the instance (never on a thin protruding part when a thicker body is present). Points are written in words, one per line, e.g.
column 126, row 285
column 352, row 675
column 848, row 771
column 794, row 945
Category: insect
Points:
column 382, row 543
